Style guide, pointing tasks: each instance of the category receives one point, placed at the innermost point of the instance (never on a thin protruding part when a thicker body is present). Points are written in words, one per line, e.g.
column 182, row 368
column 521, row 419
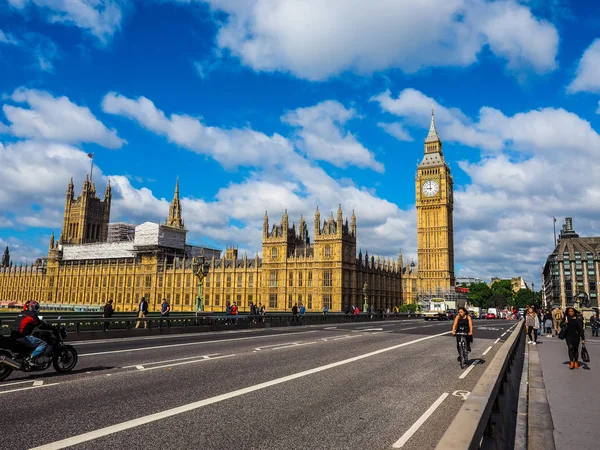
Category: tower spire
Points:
column 175, row 219
column 432, row 136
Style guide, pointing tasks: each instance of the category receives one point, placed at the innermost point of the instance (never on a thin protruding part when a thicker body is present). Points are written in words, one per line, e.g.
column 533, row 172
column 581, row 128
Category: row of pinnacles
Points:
column 331, row 230
column 7, row 266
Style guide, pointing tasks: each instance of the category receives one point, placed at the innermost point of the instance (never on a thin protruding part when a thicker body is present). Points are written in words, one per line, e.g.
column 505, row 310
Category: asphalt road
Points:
column 352, row 386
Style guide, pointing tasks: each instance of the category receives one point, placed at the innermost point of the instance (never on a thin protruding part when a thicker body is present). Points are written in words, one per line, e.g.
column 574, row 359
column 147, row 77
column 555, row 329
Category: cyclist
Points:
column 463, row 324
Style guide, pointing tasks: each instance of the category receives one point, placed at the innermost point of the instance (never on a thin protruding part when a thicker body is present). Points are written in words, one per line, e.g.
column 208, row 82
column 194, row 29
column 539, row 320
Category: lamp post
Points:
column 200, row 266
column 365, row 297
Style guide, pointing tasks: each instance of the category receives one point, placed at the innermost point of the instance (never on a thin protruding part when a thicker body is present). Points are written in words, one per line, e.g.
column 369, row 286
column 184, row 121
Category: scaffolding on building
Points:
column 120, row 232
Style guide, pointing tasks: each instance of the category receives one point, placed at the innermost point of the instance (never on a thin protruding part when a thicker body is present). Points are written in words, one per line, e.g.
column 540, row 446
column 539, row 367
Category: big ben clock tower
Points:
column 435, row 232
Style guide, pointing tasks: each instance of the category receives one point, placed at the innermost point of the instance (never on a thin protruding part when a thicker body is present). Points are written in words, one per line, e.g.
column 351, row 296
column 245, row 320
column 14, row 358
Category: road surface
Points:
column 376, row 385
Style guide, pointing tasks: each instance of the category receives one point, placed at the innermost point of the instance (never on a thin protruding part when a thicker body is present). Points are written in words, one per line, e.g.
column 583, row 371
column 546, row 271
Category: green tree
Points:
column 408, row 308
column 503, row 289
column 479, row 294
column 498, row 301
column 523, row 298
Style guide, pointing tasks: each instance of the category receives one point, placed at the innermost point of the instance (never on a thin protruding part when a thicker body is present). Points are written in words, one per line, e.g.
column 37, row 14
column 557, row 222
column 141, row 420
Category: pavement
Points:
column 376, row 385
column 572, row 394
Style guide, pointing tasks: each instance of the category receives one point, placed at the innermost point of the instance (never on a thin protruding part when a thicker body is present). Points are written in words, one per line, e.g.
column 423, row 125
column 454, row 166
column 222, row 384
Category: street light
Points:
column 200, row 266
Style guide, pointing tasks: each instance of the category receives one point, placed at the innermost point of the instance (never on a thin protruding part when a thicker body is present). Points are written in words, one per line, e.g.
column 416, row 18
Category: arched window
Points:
column 274, row 252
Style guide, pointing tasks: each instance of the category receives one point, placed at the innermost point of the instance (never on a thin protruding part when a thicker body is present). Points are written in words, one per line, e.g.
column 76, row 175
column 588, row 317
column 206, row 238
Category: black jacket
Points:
column 108, row 311
column 574, row 328
column 25, row 323
column 143, row 307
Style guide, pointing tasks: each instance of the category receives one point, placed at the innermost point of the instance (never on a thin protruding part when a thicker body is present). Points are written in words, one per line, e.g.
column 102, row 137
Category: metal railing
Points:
column 488, row 418
column 207, row 322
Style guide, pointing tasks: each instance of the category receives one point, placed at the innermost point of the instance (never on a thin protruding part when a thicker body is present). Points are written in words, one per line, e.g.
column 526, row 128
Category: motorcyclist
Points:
column 22, row 330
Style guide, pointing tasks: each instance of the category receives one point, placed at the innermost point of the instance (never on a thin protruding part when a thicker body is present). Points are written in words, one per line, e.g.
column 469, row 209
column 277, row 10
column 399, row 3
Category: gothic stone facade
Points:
column 82, row 268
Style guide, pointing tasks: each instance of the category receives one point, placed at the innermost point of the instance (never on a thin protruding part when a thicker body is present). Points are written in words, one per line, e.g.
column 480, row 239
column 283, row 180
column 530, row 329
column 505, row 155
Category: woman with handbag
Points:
column 533, row 325
column 572, row 332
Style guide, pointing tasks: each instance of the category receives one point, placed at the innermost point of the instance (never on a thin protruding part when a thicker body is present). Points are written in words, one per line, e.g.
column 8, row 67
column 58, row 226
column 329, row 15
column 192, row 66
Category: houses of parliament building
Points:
column 94, row 260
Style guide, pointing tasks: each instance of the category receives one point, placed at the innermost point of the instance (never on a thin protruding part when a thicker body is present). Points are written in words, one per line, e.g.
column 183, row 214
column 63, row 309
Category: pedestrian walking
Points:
column 595, row 323
column 302, row 310
column 533, row 324
column 295, row 312
column 557, row 318
column 573, row 335
column 548, row 323
column 107, row 314
column 142, row 312
column 165, row 309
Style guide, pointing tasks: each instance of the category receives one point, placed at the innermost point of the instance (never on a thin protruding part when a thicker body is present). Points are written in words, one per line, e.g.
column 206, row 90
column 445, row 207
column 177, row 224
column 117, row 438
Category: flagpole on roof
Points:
column 91, row 156
column 554, row 231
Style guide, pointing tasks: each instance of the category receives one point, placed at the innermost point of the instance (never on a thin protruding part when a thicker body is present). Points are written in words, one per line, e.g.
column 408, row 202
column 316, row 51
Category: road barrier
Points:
column 488, row 418
column 89, row 328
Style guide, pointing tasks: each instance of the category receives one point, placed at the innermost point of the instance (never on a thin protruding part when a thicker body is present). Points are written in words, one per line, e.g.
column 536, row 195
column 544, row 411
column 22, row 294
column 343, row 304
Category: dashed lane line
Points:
column 487, row 351
column 471, row 367
column 420, row 421
column 170, row 360
column 185, row 344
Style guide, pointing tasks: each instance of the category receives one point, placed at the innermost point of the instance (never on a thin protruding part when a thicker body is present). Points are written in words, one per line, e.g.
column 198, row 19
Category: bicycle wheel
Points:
column 463, row 354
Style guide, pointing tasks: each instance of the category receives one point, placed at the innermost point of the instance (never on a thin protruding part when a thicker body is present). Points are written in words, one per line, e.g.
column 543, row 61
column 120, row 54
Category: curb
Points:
column 521, row 428
column 540, row 428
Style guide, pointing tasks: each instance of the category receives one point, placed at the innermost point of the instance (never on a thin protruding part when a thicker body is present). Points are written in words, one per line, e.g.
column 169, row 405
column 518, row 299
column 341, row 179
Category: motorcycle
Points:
column 58, row 354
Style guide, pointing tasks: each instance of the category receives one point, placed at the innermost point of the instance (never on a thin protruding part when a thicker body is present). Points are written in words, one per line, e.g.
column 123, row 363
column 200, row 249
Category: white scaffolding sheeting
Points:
column 102, row 250
column 152, row 234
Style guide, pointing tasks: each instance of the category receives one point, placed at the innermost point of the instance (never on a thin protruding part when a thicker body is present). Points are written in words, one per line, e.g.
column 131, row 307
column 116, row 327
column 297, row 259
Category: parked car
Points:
column 451, row 313
column 490, row 316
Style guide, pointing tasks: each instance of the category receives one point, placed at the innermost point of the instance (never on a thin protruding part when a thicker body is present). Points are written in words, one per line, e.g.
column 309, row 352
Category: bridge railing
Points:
column 488, row 418
column 205, row 322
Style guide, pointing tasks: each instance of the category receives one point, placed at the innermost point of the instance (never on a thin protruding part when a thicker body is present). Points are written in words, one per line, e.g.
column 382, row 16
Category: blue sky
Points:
column 268, row 104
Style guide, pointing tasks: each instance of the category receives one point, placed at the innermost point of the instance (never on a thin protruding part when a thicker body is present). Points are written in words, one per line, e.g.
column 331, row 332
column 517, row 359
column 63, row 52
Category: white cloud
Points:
column 397, row 130
column 323, row 137
column 8, row 39
column 588, row 71
column 36, row 173
column 315, row 39
column 56, row 119
column 548, row 130
column 102, row 18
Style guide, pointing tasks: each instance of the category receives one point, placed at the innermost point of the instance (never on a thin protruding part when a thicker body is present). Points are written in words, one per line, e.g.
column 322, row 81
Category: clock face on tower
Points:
column 430, row 188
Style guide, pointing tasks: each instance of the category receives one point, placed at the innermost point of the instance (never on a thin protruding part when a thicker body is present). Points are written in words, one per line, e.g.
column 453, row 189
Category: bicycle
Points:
column 462, row 345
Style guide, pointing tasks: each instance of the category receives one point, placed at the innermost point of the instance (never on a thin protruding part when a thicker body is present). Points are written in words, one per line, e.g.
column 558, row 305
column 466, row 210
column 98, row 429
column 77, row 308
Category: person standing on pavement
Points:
column 302, row 310
column 574, row 335
column 295, row 312
column 533, row 324
column 548, row 323
column 142, row 312
column 107, row 314
column 595, row 323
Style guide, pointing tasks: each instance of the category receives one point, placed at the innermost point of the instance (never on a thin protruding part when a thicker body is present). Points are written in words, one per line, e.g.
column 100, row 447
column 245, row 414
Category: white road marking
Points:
column 204, row 358
column 17, row 382
column 411, row 328
column 185, row 344
column 349, row 336
column 367, row 329
column 171, row 360
column 274, row 345
column 294, row 345
column 28, row 388
column 89, row 436
column 496, row 341
column 466, row 372
column 462, row 394
column 139, row 367
column 486, row 352
column 412, row 430
column 38, row 383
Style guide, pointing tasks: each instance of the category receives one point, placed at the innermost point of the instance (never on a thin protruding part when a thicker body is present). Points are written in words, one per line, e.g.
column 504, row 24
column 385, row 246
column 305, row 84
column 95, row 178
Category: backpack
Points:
column 558, row 315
